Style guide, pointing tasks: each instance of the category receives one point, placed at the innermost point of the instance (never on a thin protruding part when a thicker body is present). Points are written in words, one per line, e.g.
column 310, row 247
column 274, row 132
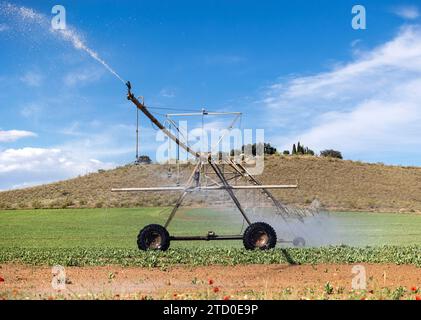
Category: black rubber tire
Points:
column 299, row 242
column 260, row 236
column 153, row 237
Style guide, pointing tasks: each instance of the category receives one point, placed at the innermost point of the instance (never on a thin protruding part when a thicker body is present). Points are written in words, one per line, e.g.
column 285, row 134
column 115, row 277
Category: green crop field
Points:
column 118, row 228
column 101, row 228
column 108, row 236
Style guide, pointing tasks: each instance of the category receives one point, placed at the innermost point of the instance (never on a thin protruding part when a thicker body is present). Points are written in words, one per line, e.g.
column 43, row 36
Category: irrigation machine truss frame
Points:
column 257, row 235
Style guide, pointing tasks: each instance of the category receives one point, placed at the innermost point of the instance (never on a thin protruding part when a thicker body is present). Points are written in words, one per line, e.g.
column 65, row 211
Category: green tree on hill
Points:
column 300, row 149
column 331, row 153
column 267, row 148
column 143, row 160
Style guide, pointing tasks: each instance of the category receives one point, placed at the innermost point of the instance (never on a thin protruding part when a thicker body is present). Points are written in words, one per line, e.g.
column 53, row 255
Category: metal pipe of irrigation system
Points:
column 210, row 188
column 204, row 112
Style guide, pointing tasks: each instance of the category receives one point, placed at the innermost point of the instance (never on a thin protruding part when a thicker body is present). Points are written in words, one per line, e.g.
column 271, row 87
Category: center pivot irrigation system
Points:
column 210, row 174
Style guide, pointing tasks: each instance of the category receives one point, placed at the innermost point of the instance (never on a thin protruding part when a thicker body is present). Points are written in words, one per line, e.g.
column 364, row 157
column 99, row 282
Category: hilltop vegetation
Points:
column 337, row 184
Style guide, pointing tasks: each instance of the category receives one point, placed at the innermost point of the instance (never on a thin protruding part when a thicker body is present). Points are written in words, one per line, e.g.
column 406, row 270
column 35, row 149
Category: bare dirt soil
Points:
column 332, row 281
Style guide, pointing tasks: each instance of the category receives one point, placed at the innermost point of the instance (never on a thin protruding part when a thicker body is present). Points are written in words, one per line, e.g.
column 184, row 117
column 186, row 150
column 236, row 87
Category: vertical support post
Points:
column 187, row 142
column 203, row 130
column 137, row 134
column 169, row 151
column 137, row 131
column 178, row 159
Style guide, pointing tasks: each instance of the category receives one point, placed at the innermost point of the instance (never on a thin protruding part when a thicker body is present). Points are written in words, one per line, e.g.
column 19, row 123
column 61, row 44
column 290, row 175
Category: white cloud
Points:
column 167, row 93
column 73, row 129
column 92, row 146
column 30, row 166
column 32, row 79
column 108, row 141
column 31, row 111
column 83, row 77
column 372, row 103
column 13, row 135
column 407, row 12
column 355, row 42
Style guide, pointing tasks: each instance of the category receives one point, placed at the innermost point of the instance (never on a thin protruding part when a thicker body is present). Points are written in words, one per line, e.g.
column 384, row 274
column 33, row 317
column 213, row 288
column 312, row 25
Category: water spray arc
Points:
column 29, row 17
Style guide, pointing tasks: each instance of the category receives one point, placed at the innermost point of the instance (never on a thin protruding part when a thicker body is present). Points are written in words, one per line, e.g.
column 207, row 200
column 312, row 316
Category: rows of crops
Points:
column 213, row 256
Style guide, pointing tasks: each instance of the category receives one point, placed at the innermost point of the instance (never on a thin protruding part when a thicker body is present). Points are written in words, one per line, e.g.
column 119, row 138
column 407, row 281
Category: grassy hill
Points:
column 338, row 184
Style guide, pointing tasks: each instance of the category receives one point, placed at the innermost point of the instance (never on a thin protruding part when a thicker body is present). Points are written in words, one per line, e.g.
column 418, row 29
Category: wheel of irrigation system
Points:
column 259, row 235
column 299, row 242
column 153, row 237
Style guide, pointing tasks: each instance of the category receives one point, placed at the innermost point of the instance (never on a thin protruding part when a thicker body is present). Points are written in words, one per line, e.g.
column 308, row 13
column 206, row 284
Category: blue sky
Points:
column 295, row 68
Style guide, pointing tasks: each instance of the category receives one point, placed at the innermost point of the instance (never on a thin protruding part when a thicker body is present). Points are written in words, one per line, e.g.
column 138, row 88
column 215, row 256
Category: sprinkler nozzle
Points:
column 129, row 87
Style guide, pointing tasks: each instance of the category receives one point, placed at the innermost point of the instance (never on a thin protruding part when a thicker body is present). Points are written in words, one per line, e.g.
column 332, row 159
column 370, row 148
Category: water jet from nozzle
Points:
column 26, row 17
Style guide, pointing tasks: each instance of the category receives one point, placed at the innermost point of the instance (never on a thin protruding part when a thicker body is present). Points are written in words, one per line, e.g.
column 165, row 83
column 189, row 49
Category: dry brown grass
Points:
column 338, row 184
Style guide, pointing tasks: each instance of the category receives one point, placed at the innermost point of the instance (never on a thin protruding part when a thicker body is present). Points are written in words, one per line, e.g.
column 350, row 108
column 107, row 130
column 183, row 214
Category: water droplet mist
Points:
column 26, row 18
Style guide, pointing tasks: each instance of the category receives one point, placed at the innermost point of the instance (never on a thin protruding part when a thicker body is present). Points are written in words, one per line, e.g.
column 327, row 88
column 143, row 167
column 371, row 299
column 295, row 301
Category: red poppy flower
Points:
column 226, row 297
column 210, row 282
column 413, row 289
column 417, row 297
column 1, row 279
column 216, row 289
